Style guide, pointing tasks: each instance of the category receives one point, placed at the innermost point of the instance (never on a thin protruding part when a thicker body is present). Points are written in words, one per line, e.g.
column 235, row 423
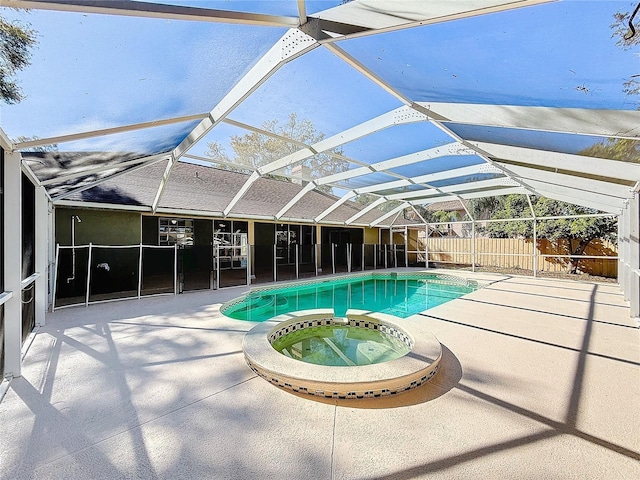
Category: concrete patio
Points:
column 539, row 379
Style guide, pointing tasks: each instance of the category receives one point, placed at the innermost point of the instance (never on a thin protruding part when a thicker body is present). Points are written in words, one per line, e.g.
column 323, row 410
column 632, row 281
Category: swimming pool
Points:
column 401, row 295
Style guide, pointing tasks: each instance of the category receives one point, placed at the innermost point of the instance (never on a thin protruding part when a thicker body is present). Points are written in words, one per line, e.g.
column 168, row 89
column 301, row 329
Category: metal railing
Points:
column 86, row 274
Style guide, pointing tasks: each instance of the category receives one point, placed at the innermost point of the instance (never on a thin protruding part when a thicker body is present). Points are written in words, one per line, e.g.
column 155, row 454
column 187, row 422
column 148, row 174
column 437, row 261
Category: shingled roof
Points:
column 191, row 187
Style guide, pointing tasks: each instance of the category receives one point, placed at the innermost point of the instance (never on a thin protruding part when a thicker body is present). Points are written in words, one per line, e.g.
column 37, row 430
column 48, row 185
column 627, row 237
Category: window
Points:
column 232, row 239
column 176, row 231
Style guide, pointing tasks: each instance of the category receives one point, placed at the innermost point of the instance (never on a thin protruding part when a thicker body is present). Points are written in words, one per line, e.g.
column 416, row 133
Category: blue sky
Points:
column 97, row 71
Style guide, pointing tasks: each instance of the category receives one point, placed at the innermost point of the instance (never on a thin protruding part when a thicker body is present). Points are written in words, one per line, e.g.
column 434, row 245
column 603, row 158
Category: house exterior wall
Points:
column 101, row 227
column 370, row 236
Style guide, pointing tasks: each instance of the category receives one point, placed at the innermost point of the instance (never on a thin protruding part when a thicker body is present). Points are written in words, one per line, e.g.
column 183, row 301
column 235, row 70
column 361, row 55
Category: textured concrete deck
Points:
column 539, row 379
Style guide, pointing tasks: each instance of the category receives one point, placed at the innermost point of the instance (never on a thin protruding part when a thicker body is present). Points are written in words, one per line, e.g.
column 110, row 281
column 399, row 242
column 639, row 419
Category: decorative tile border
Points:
column 344, row 395
column 368, row 381
column 356, row 323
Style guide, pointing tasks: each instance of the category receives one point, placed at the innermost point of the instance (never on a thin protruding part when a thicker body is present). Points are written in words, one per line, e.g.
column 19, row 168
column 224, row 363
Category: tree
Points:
column 577, row 232
column 623, row 149
column 16, row 40
column 625, row 34
column 254, row 150
column 52, row 147
column 626, row 37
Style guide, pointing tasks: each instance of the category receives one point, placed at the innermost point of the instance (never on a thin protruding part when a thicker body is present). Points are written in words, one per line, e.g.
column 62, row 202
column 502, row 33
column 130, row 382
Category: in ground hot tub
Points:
column 337, row 342
column 369, row 354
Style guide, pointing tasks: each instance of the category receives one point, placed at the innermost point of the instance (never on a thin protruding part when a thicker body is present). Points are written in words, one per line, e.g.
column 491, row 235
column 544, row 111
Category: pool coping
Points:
column 365, row 381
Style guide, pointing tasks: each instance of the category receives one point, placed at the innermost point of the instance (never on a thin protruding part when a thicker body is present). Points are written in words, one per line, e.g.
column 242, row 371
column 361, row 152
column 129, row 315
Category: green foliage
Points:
column 253, row 150
column 16, row 40
column 441, row 216
column 623, row 149
column 516, row 206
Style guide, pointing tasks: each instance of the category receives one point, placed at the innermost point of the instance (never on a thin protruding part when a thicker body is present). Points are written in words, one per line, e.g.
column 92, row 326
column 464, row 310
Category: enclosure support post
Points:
column 333, row 258
column 248, row 264
column 41, row 255
column 385, row 255
column 51, row 256
column 363, row 257
column 535, row 247
column 12, row 245
column 55, row 278
column 348, row 246
column 218, row 266
column 86, row 299
column 375, row 256
column 315, row 257
column 175, row 269
column 297, row 262
column 395, row 255
column 473, row 245
column 620, row 259
column 624, row 251
column 426, row 246
column 535, row 237
column 406, row 246
column 275, row 262
column 634, row 257
column 140, row 273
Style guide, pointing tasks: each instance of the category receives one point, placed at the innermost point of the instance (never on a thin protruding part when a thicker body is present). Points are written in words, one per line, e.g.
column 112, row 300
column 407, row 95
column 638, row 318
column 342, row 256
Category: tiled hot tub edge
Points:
column 369, row 381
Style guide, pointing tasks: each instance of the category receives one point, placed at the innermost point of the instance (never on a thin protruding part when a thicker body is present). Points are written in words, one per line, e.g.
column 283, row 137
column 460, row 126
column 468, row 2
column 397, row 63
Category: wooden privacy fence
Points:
column 518, row 253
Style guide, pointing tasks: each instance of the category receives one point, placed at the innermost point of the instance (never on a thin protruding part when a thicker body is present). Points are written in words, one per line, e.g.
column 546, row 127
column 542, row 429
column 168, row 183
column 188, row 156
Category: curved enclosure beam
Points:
column 466, row 196
column 342, row 200
column 105, row 131
column 578, row 197
column 429, row 154
column 597, row 167
column 156, row 10
column 366, row 210
column 378, row 17
column 580, row 121
column 307, row 188
column 609, row 189
column 401, row 115
column 292, row 45
column 5, row 141
column 390, row 213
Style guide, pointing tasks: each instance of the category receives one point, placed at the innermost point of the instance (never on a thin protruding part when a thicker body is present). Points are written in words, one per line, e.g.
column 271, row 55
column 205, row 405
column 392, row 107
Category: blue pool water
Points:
column 392, row 294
